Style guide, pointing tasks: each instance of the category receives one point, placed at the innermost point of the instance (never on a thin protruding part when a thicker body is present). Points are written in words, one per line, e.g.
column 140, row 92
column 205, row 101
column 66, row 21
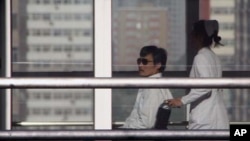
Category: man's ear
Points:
column 158, row 65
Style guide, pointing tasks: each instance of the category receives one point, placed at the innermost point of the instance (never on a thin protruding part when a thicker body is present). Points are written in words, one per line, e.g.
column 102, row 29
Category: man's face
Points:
column 146, row 66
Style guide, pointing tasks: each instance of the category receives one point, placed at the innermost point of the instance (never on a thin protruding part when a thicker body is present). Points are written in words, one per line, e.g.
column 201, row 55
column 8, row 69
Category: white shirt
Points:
column 143, row 115
column 207, row 106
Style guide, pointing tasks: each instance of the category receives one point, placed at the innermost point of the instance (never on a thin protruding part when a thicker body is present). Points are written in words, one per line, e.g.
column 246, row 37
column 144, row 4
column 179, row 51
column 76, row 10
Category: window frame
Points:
column 102, row 39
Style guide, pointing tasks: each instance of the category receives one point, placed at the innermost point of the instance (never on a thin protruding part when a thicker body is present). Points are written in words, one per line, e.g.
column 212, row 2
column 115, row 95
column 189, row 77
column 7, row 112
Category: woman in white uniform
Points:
column 207, row 109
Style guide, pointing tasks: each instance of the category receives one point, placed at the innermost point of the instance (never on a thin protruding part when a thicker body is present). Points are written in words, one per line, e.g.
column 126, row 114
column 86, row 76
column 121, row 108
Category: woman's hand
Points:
column 174, row 102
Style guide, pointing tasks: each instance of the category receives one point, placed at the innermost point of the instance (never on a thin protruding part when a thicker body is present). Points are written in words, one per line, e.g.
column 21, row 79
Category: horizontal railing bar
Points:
column 124, row 82
column 243, row 123
column 118, row 134
column 83, row 123
column 53, row 123
column 90, row 123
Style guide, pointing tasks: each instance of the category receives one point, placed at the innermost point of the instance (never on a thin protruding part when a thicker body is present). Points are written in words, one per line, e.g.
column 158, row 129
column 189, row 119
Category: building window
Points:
column 47, row 96
column 46, row 111
column 46, row 1
column 36, row 111
column 222, row 10
column 37, row 1
column 57, row 48
column 58, row 111
column 57, row 96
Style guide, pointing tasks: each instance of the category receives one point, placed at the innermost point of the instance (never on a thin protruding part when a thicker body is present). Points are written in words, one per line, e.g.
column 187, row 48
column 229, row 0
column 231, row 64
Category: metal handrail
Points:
column 91, row 123
column 53, row 123
column 118, row 134
column 124, row 82
column 79, row 123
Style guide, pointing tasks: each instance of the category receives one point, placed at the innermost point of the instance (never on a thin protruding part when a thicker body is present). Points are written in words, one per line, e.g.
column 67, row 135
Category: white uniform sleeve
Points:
column 201, row 68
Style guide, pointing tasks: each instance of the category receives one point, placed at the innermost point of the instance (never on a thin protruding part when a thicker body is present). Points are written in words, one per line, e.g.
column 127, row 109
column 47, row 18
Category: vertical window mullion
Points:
column 5, row 96
column 192, row 15
column 102, row 58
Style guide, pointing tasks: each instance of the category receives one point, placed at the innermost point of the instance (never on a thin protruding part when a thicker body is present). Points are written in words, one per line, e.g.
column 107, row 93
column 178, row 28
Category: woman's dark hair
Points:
column 159, row 55
column 199, row 29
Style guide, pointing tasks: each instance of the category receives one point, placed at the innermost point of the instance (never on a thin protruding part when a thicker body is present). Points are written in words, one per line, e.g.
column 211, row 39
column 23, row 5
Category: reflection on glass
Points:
column 52, row 36
column 136, row 23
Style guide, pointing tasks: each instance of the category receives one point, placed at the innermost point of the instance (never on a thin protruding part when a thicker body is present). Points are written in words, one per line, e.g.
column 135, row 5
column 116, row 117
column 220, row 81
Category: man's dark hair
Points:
column 159, row 55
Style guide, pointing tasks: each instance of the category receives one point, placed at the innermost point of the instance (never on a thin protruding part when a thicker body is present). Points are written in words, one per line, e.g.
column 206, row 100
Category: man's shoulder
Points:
column 156, row 90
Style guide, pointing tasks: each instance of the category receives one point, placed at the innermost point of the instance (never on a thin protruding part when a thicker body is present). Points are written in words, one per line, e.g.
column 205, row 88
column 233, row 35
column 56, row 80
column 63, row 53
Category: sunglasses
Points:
column 143, row 61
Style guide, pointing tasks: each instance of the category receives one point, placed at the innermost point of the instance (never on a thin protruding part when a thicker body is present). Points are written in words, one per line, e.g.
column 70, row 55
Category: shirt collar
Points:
column 203, row 49
column 156, row 75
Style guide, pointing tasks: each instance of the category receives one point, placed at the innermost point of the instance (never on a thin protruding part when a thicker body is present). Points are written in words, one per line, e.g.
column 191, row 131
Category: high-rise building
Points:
column 234, row 30
column 173, row 21
column 59, row 35
column 52, row 36
column 223, row 11
column 134, row 28
column 204, row 6
column 241, row 97
column 19, row 106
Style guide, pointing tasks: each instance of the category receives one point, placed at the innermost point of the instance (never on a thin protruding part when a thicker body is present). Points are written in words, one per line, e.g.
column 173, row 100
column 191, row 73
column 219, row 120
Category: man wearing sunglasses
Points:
column 151, row 63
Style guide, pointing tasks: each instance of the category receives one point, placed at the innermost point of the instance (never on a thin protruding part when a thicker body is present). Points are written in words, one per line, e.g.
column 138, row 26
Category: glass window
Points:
column 227, row 21
column 235, row 54
column 145, row 23
column 49, row 50
column 136, row 23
